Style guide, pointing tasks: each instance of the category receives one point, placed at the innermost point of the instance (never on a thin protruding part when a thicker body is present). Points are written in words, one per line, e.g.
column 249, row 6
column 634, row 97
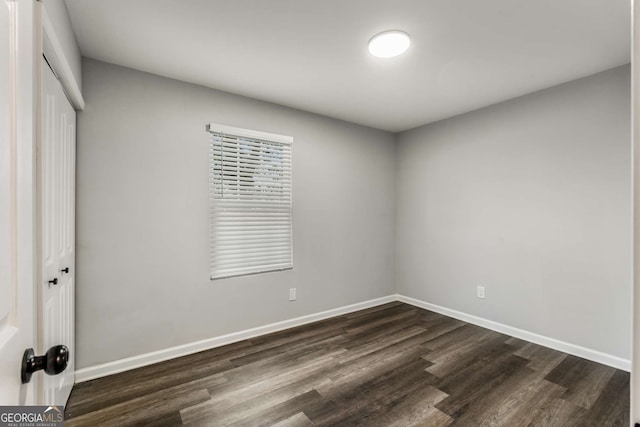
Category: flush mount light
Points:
column 389, row 43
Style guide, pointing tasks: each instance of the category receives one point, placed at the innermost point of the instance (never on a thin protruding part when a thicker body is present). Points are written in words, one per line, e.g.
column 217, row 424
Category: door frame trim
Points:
column 53, row 51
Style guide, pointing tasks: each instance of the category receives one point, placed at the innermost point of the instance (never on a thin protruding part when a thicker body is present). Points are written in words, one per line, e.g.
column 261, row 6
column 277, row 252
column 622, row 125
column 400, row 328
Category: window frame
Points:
column 218, row 130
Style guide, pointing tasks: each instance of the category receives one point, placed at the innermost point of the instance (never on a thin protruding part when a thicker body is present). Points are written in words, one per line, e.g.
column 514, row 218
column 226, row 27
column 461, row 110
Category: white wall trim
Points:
column 55, row 55
column 117, row 366
column 110, row 368
column 576, row 350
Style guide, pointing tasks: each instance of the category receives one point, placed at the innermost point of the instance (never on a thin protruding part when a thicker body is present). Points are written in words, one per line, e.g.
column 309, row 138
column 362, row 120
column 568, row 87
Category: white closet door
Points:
column 57, row 236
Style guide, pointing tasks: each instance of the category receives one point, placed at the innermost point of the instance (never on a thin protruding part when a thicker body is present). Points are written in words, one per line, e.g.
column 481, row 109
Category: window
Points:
column 249, row 201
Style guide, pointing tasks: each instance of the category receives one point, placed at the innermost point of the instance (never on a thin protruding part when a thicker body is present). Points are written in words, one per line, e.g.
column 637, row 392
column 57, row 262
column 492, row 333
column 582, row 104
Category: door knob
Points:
column 53, row 362
column 54, row 281
column 65, row 270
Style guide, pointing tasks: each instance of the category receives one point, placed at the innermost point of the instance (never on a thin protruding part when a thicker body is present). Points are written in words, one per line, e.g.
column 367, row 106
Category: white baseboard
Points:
column 110, row 368
column 576, row 350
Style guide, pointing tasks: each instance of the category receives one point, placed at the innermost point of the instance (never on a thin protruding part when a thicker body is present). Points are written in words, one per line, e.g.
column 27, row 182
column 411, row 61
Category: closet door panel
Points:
column 57, row 172
column 50, row 184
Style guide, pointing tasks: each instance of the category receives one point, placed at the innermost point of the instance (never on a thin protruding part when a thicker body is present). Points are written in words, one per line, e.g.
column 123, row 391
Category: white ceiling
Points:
column 312, row 55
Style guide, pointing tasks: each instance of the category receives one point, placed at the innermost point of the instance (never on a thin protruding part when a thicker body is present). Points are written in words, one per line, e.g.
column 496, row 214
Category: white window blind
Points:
column 249, row 201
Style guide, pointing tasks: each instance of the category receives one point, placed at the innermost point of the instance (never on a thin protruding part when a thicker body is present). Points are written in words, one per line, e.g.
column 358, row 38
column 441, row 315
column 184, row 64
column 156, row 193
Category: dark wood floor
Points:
column 392, row 365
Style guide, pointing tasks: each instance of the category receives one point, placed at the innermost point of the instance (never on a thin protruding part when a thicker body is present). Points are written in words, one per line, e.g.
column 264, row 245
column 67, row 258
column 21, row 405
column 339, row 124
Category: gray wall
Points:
column 142, row 224
column 530, row 198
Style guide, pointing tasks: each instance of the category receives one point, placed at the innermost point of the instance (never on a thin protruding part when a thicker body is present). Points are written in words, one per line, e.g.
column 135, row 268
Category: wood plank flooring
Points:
column 392, row 365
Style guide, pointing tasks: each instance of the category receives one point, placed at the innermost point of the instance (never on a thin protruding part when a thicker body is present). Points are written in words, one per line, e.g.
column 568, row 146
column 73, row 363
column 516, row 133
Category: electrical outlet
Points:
column 481, row 292
column 292, row 294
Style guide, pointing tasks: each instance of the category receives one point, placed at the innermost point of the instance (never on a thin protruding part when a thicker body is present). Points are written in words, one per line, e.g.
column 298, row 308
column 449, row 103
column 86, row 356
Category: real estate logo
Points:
column 31, row 416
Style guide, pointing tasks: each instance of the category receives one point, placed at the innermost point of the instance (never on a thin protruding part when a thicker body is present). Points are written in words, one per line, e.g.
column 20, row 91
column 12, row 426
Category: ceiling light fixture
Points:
column 389, row 44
